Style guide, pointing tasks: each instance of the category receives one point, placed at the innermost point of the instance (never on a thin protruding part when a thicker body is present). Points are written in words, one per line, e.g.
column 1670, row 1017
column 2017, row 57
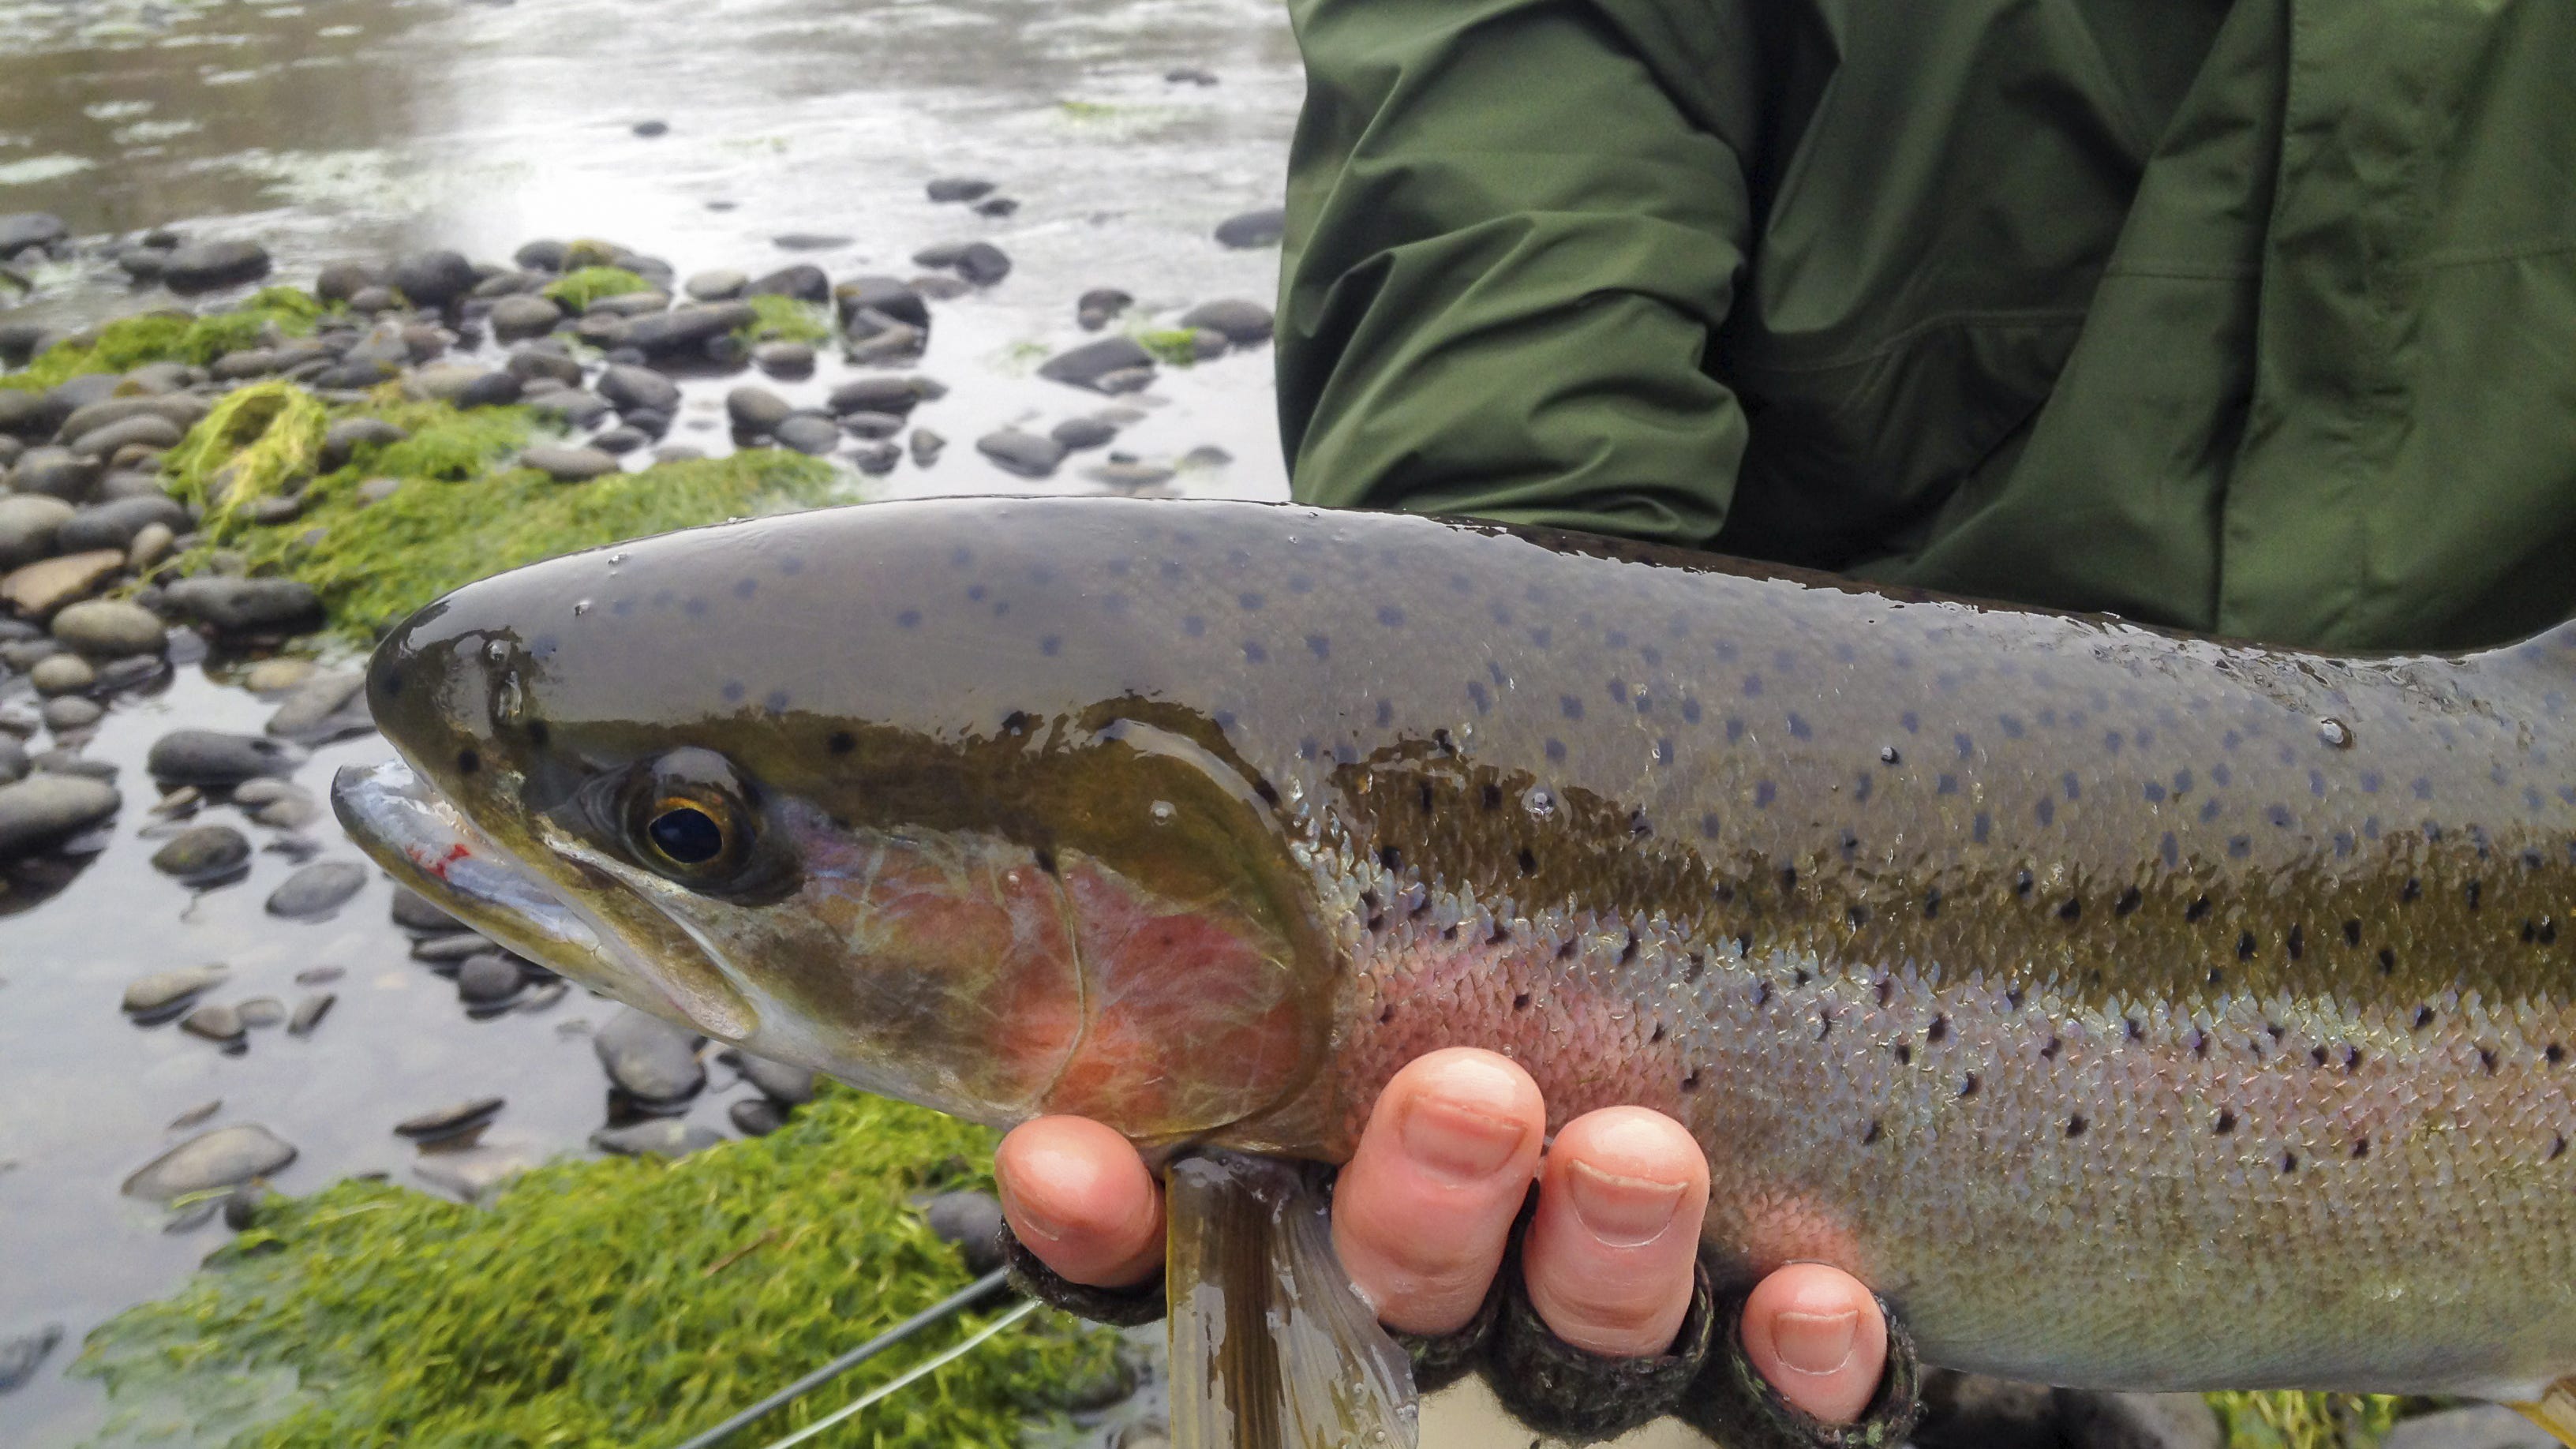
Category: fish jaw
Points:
column 427, row 844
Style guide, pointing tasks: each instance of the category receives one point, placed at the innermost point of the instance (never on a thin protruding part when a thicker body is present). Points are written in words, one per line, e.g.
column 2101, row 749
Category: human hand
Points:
column 1422, row 1212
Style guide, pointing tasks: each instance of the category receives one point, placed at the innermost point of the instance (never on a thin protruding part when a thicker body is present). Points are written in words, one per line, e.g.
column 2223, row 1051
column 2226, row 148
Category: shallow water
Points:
column 356, row 128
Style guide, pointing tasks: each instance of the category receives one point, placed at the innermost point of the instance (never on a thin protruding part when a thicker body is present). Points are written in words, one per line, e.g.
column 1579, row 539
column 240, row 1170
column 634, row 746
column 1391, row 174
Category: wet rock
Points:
column 21, row 1354
column 544, row 997
column 62, row 674
column 1239, row 322
column 488, row 389
column 475, row 1172
column 661, row 1137
column 30, row 417
column 514, row 318
column 777, row 1080
column 46, row 808
column 716, row 286
column 242, row 366
column 344, row 440
column 158, row 995
column 28, row 524
column 309, row 1013
column 450, row 949
column 245, row 606
column 72, row 764
column 1262, row 228
column 2093, row 1420
column 542, row 256
column 926, row 446
column 619, row 441
column 210, row 757
column 434, row 279
column 895, row 395
column 568, row 464
column 996, row 206
column 803, row 283
column 807, row 433
column 983, row 264
column 1023, row 453
column 571, row 407
column 25, row 231
column 317, row 890
column 277, row 804
column 180, row 410
column 454, row 1120
column 1206, row 455
column 55, row 473
column 219, row 1024
column 685, row 329
column 488, row 977
column 755, row 1116
column 887, row 295
column 756, row 410
column 1086, row 366
column 531, row 363
column 196, row 1114
column 13, row 760
column 1190, row 75
column 40, row 588
column 223, row 1157
column 203, row 853
column 261, row 1012
column 809, row 241
column 2486, row 1426
column 946, row 189
column 116, row 676
column 629, row 388
column 325, row 704
column 872, row 425
column 649, row 1058
column 109, row 628
column 341, row 281
column 1100, row 306
column 1972, row 1411
column 1077, row 434
column 147, row 431
column 205, row 266
column 784, row 359
column 972, row 1221
column 114, row 525
column 413, row 912
column 876, row 459
column 66, row 713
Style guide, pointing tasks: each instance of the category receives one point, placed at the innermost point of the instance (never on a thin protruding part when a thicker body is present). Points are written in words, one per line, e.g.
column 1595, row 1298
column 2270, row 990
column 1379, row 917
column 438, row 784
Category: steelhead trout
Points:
column 2130, row 1010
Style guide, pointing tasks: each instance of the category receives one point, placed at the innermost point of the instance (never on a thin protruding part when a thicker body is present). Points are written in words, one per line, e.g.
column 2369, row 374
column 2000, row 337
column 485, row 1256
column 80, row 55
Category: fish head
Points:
column 711, row 775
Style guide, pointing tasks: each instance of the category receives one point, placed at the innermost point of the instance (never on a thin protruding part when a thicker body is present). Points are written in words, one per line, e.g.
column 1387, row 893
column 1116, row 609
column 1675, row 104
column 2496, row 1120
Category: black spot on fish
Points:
column 2071, row 909
column 695, row 608
column 2423, row 788
column 1870, row 1136
column 2047, row 811
column 2360, row 1148
column 1044, row 858
column 1385, row 713
column 1798, row 727
column 2316, row 1056
column 1690, row 711
column 2239, row 846
column 2298, row 941
column 2023, row 881
column 2075, row 1125
column 1529, row 862
column 2012, row 998
column 1193, row 625
column 908, row 619
column 2279, row 815
column 1946, row 785
column 1541, row 636
column 775, row 701
column 538, row 734
column 1967, row 747
column 1423, row 795
column 1391, row 616
column 1752, row 685
column 1932, row 903
column 467, row 762
column 1322, row 648
column 2127, row 902
column 1909, row 723
column 2245, row 945
column 2423, row 1017
column 733, row 691
column 2048, row 1050
column 1390, row 857
column 1939, row 1028
column 1968, row 1088
column 1656, row 1035
column 1690, row 1083
column 1051, row 645
column 745, row 588
column 1980, row 828
column 1253, row 653
column 1904, row 1055
column 2289, row 1162
column 2011, row 726
column 2154, row 792
column 1386, row 1013
column 2408, row 893
column 2226, row 1122
column 2474, row 890
column 2487, row 1059
column 1764, row 792
column 1556, row 750
column 841, row 742
column 1571, row 707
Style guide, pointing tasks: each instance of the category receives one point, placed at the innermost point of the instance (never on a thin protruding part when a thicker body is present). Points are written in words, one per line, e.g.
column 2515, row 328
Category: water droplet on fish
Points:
column 617, row 558
column 1162, row 812
column 2335, row 732
column 580, row 607
column 497, row 651
column 509, row 701
column 1540, row 804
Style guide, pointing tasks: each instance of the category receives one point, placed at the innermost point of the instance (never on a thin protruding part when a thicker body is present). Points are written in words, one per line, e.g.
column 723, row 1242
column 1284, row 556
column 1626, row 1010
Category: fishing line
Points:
column 954, row 1303
column 917, row 1371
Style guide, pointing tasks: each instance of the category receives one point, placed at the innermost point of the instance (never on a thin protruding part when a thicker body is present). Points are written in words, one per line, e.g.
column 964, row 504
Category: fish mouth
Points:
column 426, row 843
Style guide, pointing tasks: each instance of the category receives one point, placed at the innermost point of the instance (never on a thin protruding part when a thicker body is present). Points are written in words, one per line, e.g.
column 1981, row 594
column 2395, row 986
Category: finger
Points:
column 1610, row 1253
column 1080, row 1198
column 1422, row 1213
column 1819, row 1337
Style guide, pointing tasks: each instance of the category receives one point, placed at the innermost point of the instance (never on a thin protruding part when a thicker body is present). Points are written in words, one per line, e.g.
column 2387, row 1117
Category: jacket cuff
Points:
column 1117, row 1307
column 1738, row 1407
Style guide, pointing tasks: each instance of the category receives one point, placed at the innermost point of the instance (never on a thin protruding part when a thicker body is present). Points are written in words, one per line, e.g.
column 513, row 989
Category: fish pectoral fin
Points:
column 1272, row 1348
column 2555, row 1411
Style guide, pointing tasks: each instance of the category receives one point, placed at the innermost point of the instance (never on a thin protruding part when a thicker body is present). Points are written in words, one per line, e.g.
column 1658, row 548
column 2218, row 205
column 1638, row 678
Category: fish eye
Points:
column 690, row 817
column 685, row 833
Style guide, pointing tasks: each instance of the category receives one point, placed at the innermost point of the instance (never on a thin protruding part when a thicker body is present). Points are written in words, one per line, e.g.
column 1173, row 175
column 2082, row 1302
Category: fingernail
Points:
column 1028, row 1223
column 1815, row 1343
column 1623, row 1212
column 1459, row 1141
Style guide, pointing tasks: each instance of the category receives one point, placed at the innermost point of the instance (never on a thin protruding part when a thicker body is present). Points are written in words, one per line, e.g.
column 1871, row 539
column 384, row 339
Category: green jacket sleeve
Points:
column 1514, row 227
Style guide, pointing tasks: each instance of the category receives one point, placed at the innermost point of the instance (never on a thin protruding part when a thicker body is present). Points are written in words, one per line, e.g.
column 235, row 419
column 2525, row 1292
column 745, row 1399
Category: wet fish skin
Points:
column 2131, row 1010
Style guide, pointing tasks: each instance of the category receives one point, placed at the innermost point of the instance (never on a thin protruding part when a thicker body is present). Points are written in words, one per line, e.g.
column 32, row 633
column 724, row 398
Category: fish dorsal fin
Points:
column 1272, row 1348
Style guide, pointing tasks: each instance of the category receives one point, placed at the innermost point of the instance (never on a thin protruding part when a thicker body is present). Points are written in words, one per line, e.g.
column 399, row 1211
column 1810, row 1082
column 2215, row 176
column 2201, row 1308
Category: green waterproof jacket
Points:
column 2252, row 318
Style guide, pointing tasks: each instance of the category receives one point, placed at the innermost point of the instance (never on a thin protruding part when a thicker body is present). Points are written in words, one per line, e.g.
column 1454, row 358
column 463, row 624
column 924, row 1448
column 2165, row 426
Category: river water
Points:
column 354, row 129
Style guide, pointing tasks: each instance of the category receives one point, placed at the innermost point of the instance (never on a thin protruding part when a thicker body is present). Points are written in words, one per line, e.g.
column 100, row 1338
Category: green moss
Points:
column 579, row 291
column 784, row 319
column 170, row 336
column 459, row 516
column 2292, row 1420
column 1179, row 348
column 594, row 1303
